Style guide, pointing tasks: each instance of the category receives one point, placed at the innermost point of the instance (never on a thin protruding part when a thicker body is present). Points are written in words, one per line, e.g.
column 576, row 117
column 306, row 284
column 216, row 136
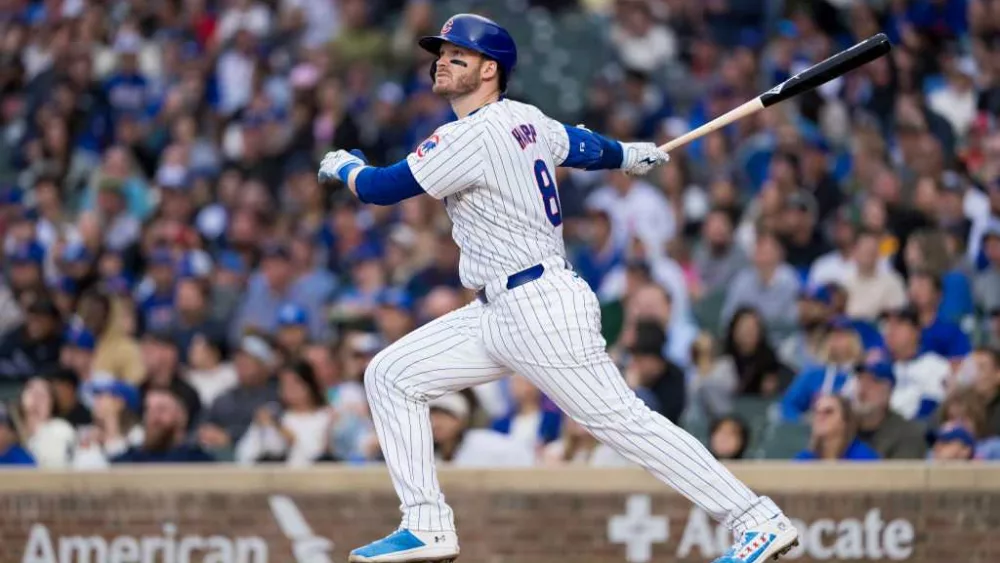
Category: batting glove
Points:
column 337, row 165
column 640, row 158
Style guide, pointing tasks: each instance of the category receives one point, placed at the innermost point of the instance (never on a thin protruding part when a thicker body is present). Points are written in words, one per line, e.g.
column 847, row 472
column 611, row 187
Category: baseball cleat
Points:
column 770, row 540
column 405, row 546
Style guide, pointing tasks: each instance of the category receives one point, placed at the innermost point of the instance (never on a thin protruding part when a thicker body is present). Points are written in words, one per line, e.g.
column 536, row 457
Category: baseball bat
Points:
column 820, row 73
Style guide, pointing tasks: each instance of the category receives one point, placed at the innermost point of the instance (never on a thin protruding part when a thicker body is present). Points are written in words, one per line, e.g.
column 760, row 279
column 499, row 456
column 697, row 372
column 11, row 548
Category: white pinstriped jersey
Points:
column 495, row 171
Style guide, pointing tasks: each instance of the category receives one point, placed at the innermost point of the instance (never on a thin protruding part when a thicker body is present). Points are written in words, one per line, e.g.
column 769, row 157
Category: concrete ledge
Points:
column 775, row 477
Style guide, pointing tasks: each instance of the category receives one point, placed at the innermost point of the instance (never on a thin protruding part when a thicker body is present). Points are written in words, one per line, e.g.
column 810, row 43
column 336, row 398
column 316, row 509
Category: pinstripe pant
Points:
column 549, row 332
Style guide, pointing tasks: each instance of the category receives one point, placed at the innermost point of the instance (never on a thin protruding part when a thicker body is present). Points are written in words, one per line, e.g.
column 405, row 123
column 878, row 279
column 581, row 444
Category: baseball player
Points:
column 494, row 168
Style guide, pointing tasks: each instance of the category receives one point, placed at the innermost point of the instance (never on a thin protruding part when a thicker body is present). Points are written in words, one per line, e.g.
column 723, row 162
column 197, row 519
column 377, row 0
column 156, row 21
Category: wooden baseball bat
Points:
column 820, row 73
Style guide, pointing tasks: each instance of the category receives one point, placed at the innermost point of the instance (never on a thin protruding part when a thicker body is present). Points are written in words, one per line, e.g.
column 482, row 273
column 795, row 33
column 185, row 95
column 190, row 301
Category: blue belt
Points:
column 516, row 280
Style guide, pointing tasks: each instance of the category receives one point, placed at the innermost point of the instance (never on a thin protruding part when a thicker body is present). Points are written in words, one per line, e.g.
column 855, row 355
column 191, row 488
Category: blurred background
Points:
column 819, row 281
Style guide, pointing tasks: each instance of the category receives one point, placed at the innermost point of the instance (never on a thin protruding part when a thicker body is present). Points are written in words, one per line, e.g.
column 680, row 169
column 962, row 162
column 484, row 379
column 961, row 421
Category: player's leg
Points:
column 443, row 356
column 549, row 331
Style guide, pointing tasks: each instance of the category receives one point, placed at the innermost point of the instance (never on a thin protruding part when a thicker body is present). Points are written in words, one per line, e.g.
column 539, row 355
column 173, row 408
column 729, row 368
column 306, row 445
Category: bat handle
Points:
column 748, row 108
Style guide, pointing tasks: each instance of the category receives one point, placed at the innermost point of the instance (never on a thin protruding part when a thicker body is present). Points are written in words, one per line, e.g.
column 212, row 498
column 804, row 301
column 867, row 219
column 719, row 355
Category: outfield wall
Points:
column 222, row 514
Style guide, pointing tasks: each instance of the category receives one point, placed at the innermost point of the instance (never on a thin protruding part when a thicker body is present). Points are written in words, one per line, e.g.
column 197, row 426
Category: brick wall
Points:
column 157, row 522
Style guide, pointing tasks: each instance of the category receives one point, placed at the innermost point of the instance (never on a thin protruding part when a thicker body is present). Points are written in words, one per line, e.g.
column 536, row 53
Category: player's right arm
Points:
column 579, row 147
column 445, row 163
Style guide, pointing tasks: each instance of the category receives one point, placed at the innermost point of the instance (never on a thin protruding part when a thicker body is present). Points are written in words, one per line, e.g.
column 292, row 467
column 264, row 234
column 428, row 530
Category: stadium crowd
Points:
column 178, row 287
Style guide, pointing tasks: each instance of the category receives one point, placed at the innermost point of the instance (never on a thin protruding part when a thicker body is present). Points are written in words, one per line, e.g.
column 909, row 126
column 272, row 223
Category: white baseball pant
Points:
column 547, row 330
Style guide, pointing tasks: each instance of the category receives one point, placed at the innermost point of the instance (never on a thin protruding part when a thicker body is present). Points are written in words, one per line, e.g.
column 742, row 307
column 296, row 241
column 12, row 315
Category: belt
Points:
column 516, row 280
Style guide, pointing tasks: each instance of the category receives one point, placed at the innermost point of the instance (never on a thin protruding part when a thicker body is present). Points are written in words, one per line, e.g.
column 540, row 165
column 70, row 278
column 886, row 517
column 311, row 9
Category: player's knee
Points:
column 379, row 373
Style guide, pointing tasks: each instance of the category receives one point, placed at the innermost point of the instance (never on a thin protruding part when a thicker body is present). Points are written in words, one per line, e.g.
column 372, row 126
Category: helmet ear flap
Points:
column 433, row 69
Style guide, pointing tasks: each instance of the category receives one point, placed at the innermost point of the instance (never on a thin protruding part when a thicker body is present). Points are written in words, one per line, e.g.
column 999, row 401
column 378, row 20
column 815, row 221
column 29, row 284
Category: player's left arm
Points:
column 446, row 163
column 378, row 185
column 579, row 147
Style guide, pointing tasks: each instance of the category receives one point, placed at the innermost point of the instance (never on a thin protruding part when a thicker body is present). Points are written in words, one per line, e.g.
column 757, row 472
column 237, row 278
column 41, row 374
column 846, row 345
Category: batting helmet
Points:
column 479, row 34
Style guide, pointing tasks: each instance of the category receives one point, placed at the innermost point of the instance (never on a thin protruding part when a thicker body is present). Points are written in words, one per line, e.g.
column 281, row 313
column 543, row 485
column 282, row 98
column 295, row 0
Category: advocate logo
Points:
column 869, row 537
column 171, row 547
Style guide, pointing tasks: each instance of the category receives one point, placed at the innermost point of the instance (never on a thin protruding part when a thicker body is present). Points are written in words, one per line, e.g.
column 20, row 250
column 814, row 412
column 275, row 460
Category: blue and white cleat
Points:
column 770, row 540
column 405, row 546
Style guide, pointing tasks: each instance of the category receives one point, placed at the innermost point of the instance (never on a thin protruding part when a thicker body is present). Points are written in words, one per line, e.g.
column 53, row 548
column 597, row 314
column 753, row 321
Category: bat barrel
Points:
column 822, row 72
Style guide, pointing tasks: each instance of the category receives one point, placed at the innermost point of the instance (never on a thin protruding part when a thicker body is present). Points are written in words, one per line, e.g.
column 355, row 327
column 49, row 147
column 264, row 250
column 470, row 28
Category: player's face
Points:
column 459, row 71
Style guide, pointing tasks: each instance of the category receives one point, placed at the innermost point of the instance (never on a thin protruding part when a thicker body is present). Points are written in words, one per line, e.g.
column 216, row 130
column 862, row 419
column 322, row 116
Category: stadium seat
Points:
column 783, row 441
column 708, row 311
column 10, row 390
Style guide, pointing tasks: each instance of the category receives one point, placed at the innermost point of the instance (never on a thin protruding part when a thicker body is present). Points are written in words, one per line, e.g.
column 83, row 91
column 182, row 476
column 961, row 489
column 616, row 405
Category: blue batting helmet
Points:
column 479, row 34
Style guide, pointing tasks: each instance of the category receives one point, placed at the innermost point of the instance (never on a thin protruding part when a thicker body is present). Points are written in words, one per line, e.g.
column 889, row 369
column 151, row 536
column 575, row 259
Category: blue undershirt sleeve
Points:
column 387, row 185
column 590, row 151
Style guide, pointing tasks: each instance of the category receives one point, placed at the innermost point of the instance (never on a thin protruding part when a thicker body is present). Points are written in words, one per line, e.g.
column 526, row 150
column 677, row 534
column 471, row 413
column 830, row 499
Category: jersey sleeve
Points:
column 448, row 161
column 578, row 147
column 555, row 135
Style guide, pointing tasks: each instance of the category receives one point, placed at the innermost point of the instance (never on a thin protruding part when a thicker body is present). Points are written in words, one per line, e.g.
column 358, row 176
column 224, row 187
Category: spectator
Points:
column 871, row 290
column 232, row 412
column 637, row 209
column 956, row 101
column 650, row 302
column 77, row 352
column 268, row 290
column 600, row 253
column 802, row 348
column 156, row 294
column 294, row 431
column 953, row 442
column 529, row 422
column 208, row 371
column 920, row 376
column 26, row 268
column 712, row 383
column 33, row 347
column 116, row 424
column 164, row 428
column 834, row 266
column 193, row 315
column 985, row 380
column 394, row 315
column 163, row 371
column 769, row 284
column 801, row 238
column 657, row 380
column 940, row 336
column 11, row 451
column 728, row 438
column 353, row 434
column 116, row 352
column 228, row 280
column 839, row 354
column 576, row 446
column 987, row 282
column 443, row 271
column 758, row 371
column 966, row 407
column 834, row 433
column 49, row 439
column 892, row 436
column 458, row 445
column 641, row 42
column 11, row 315
column 926, row 252
column 68, row 399
column 293, row 331
column 717, row 257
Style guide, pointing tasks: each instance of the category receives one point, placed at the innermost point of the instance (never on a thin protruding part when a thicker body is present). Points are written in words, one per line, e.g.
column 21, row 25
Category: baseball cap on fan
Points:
column 454, row 404
column 291, row 314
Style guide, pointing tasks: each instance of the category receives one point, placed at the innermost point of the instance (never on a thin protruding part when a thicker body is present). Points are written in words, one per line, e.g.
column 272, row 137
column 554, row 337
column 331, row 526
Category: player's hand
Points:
column 640, row 158
column 337, row 164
